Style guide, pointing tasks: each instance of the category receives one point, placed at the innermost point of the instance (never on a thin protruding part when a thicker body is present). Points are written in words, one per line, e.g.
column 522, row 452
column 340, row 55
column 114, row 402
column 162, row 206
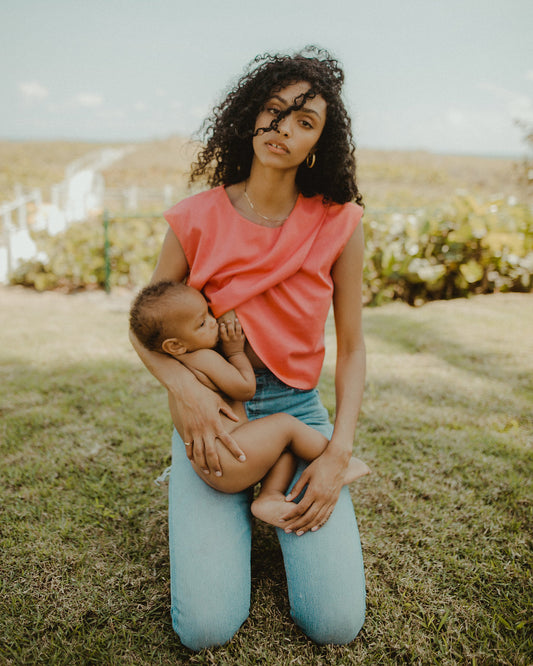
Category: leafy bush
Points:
column 75, row 259
column 468, row 248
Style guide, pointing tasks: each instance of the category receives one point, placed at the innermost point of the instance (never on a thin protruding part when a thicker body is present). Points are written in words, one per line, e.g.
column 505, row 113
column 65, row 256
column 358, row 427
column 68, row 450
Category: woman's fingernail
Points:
column 218, row 473
column 288, row 498
column 242, row 458
column 299, row 533
column 287, row 531
column 314, row 529
column 205, row 471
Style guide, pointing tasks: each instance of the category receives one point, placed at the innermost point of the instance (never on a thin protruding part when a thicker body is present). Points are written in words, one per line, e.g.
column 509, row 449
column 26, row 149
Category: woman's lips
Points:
column 277, row 147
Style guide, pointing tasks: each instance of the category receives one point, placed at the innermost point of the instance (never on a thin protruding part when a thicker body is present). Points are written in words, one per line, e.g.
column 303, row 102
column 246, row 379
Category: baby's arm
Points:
column 234, row 377
column 203, row 358
column 241, row 386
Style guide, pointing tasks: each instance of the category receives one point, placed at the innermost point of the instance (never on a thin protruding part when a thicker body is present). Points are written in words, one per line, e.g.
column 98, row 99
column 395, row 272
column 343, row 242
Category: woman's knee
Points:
column 334, row 626
column 207, row 630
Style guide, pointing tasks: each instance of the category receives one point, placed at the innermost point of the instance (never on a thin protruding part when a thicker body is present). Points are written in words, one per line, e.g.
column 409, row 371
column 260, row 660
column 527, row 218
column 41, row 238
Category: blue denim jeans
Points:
column 210, row 545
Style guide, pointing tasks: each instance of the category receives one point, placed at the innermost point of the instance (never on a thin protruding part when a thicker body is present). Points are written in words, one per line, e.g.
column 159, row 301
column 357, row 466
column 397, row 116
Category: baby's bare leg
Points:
column 263, row 441
column 307, row 443
column 356, row 469
column 270, row 506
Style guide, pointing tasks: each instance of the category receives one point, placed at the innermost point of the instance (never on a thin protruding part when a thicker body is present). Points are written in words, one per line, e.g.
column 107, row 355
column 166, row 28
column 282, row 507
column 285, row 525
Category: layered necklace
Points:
column 272, row 222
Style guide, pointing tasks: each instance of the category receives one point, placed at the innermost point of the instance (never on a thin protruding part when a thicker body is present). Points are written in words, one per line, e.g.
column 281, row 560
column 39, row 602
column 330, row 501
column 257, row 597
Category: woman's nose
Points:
column 284, row 126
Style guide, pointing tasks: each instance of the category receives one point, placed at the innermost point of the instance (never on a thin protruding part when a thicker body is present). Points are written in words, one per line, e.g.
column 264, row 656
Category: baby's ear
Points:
column 174, row 347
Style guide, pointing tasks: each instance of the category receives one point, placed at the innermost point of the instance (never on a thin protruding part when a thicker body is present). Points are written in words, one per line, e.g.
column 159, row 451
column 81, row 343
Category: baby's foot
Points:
column 270, row 508
column 356, row 469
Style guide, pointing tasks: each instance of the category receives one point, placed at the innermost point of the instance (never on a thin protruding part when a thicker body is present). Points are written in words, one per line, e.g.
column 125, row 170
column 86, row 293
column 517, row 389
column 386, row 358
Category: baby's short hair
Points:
column 147, row 313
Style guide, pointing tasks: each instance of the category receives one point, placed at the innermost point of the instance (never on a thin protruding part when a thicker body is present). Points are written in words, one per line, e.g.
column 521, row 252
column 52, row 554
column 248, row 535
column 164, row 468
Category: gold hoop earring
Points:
column 310, row 160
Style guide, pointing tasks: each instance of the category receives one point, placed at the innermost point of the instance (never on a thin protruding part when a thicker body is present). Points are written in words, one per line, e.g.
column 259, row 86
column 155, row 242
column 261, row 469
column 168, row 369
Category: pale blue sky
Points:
column 447, row 76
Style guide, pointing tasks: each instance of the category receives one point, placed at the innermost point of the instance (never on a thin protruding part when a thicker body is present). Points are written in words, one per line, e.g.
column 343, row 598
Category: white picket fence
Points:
column 80, row 195
column 16, row 244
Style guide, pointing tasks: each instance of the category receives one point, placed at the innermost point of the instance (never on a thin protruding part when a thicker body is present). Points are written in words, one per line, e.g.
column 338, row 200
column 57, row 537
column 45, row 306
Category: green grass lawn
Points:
column 446, row 517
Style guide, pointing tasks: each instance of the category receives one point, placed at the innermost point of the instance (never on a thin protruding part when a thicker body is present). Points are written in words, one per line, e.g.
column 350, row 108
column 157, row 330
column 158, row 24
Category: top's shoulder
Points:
column 349, row 211
column 332, row 207
column 349, row 208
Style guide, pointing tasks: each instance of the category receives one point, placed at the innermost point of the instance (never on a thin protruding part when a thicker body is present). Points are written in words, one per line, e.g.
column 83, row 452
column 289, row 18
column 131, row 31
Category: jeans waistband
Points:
column 265, row 378
column 267, row 383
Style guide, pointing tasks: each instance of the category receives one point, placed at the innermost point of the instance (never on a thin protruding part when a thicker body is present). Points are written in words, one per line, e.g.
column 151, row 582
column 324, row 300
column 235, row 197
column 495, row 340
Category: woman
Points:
column 275, row 239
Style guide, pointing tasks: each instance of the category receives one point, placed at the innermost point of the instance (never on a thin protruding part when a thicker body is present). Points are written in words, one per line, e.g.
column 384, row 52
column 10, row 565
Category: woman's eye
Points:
column 306, row 124
column 273, row 111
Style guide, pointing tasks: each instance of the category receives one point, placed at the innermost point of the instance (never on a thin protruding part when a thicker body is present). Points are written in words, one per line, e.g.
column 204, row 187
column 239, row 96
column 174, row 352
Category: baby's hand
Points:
column 231, row 336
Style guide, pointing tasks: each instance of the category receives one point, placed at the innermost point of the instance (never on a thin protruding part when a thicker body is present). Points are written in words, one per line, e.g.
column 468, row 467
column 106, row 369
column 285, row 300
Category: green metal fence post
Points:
column 107, row 261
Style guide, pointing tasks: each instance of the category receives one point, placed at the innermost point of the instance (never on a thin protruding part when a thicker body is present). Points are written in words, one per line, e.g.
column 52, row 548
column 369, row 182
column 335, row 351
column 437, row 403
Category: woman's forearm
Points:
column 195, row 409
column 350, row 370
column 349, row 388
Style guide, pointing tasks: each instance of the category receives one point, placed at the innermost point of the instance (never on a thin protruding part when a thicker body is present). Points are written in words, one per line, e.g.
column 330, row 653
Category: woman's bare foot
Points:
column 356, row 469
column 270, row 508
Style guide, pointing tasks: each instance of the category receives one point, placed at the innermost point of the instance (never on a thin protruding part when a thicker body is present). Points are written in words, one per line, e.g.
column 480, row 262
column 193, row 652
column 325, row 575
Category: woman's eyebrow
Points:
column 306, row 109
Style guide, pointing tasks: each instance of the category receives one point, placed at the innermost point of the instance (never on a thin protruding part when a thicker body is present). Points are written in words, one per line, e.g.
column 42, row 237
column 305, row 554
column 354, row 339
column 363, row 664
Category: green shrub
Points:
column 426, row 255
column 466, row 248
column 75, row 259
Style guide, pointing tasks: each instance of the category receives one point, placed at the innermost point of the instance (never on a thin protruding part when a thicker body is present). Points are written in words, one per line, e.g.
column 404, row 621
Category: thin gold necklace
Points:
column 267, row 219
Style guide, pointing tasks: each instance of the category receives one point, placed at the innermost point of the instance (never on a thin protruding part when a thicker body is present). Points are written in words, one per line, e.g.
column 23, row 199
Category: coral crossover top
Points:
column 278, row 280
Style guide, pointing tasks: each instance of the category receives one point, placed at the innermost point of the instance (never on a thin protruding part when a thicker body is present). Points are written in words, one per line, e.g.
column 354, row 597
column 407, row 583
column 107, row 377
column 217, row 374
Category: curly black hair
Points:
column 147, row 313
column 226, row 157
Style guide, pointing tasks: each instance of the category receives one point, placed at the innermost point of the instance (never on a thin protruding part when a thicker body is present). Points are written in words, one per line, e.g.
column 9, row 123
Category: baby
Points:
column 173, row 318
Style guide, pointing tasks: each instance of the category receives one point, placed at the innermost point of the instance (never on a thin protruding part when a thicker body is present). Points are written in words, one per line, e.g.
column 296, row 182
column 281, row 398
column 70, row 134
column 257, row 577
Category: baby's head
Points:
column 173, row 318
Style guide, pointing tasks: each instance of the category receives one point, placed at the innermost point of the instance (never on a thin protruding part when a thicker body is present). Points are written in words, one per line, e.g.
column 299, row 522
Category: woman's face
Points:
column 296, row 135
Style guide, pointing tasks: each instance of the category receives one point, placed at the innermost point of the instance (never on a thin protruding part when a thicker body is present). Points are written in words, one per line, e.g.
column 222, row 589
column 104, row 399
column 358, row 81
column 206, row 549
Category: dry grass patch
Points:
column 397, row 179
column 445, row 518
column 418, row 178
column 37, row 163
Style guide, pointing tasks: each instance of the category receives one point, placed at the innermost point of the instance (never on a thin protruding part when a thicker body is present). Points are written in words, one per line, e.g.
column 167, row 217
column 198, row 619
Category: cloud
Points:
column 471, row 130
column 517, row 105
column 456, row 118
column 199, row 112
column 89, row 100
column 33, row 90
column 112, row 114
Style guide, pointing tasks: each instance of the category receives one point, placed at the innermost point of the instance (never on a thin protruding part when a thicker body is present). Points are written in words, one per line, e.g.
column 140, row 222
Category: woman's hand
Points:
column 196, row 413
column 324, row 478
